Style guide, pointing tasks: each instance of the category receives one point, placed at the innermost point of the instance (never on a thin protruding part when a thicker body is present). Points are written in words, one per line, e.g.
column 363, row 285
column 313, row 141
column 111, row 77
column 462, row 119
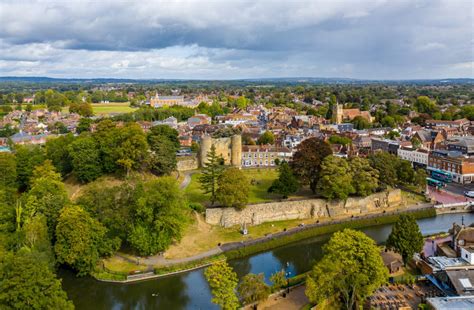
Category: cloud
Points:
column 236, row 39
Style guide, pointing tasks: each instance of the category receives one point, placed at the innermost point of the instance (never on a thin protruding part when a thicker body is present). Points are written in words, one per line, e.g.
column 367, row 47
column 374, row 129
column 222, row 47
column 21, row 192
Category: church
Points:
column 340, row 115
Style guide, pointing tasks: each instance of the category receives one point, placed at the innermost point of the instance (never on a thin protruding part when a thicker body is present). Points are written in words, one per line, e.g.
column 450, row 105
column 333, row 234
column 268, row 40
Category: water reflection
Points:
column 191, row 291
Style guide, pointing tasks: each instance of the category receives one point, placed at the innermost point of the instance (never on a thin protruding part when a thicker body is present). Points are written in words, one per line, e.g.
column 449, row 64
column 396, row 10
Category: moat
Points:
column 191, row 291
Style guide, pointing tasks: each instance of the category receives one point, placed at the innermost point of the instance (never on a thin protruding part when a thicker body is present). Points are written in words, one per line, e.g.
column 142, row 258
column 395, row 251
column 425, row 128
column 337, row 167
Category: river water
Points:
column 191, row 291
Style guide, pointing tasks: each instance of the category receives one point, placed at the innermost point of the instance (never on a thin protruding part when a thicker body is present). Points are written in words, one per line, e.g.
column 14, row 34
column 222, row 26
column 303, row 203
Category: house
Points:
column 451, row 302
column 362, row 142
column 393, row 261
column 263, row 155
column 430, row 139
column 460, row 124
column 386, row 145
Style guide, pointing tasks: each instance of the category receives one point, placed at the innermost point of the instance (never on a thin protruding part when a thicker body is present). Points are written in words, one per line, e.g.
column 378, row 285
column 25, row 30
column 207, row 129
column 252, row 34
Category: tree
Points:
column 47, row 195
column 253, row 288
column 416, row 142
column 266, row 138
column 133, row 147
column 85, row 158
column 8, row 171
column 405, row 238
column 158, row 216
column 233, row 188
column 386, row 164
column 306, row 162
column 365, row 179
column 164, row 144
column 57, row 150
column 405, row 172
column 27, row 282
column 278, row 279
column 350, row 270
column 27, row 158
column 361, row 123
column 286, row 184
column 84, row 125
column 424, row 104
column 80, row 240
column 335, row 178
column 223, row 282
column 335, row 139
column 212, row 170
column 420, row 178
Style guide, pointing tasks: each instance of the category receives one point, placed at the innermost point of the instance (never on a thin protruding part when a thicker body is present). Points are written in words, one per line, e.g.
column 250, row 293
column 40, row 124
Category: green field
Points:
column 113, row 107
column 261, row 180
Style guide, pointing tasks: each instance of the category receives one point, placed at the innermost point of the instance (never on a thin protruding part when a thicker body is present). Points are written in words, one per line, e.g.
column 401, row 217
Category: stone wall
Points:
column 187, row 163
column 302, row 209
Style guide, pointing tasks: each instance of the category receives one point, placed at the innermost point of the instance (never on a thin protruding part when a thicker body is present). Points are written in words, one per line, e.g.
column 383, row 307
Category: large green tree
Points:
column 27, row 158
column 27, row 282
column 386, row 164
column 405, row 238
column 233, row 188
column 57, row 150
column 335, row 178
column 350, row 271
column 223, row 282
column 47, row 195
column 286, row 184
column 164, row 144
column 86, row 160
column 253, row 288
column 132, row 149
column 306, row 162
column 158, row 216
column 212, row 170
column 80, row 240
column 365, row 179
column 266, row 138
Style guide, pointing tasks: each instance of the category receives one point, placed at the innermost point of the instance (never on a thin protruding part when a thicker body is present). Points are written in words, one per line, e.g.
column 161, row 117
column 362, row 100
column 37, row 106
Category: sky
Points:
column 230, row 39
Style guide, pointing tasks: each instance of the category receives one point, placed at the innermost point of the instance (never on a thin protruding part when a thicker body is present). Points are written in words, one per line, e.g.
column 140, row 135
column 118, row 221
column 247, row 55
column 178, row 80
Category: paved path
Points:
column 187, row 179
column 294, row 301
column 162, row 261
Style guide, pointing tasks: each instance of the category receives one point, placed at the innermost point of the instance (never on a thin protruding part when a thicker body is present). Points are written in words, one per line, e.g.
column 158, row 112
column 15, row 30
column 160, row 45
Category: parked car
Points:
column 469, row 194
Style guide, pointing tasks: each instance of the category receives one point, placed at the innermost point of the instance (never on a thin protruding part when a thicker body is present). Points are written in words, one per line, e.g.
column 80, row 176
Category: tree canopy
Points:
column 233, row 188
column 253, row 288
column 405, row 238
column 223, row 282
column 335, row 180
column 286, row 184
column 350, row 270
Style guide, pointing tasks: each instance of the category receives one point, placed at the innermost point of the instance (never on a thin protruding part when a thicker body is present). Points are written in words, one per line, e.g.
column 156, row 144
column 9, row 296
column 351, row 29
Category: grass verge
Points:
column 321, row 230
column 191, row 265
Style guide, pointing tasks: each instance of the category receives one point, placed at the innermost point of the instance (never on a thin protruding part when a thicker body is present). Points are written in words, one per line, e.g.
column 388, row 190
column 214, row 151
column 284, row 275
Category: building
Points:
column 339, row 114
column 198, row 119
column 418, row 157
column 451, row 303
column 429, row 139
column 459, row 166
column 386, row 145
column 264, row 155
column 237, row 118
column 459, row 123
column 393, row 261
column 229, row 148
column 158, row 101
column 170, row 121
column 362, row 142
column 465, row 145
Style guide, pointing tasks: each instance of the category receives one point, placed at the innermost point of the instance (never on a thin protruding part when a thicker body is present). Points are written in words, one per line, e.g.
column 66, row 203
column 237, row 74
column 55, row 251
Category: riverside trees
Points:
column 405, row 238
column 350, row 270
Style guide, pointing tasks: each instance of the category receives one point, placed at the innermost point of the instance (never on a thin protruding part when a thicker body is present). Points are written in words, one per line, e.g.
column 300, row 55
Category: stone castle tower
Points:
column 337, row 113
column 229, row 148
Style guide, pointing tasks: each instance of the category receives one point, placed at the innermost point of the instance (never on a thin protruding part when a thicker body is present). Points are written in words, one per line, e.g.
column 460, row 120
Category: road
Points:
column 459, row 189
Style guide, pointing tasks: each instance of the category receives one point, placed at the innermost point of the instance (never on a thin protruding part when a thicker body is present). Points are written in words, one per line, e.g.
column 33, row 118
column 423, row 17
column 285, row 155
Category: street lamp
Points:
column 287, row 274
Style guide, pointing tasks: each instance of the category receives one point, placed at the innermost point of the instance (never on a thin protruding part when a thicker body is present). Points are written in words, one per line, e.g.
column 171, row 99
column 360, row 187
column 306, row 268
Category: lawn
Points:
column 113, row 107
column 260, row 179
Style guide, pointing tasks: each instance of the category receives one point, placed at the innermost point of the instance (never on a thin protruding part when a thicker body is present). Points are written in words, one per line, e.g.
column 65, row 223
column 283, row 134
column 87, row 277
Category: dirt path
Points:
column 187, row 179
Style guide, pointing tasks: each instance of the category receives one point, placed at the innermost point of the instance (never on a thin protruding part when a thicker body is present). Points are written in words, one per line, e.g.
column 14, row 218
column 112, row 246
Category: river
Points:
column 191, row 291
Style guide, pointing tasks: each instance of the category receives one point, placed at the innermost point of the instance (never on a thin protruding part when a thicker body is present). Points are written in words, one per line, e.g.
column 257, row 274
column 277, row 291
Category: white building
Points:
column 263, row 155
column 417, row 157
column 467, row 253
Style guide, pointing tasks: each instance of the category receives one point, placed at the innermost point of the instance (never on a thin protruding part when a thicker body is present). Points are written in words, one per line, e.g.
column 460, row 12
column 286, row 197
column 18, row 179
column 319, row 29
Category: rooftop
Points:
column 452, row 303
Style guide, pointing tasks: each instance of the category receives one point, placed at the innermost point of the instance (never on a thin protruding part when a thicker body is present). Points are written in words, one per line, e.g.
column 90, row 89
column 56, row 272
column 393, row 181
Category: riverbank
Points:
column 241, row 249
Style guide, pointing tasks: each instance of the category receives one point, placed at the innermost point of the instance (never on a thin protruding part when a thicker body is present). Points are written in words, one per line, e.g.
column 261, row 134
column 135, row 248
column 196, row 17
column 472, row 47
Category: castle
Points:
column 229, row 148
column 339, row 114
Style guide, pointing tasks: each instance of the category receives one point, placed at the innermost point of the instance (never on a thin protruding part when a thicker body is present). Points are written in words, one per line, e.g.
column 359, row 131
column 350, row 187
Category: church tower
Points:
column 337, row 113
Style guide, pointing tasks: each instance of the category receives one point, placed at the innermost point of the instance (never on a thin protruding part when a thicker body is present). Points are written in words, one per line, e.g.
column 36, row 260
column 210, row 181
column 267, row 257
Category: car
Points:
column 469, row 194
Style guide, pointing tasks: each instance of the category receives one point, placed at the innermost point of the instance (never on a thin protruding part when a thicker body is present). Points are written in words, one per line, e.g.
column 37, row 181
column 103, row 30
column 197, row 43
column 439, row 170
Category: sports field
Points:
column 113, row 107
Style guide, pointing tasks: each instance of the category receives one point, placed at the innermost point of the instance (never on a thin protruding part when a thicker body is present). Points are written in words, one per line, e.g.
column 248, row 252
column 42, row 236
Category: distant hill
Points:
column 288, row 80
